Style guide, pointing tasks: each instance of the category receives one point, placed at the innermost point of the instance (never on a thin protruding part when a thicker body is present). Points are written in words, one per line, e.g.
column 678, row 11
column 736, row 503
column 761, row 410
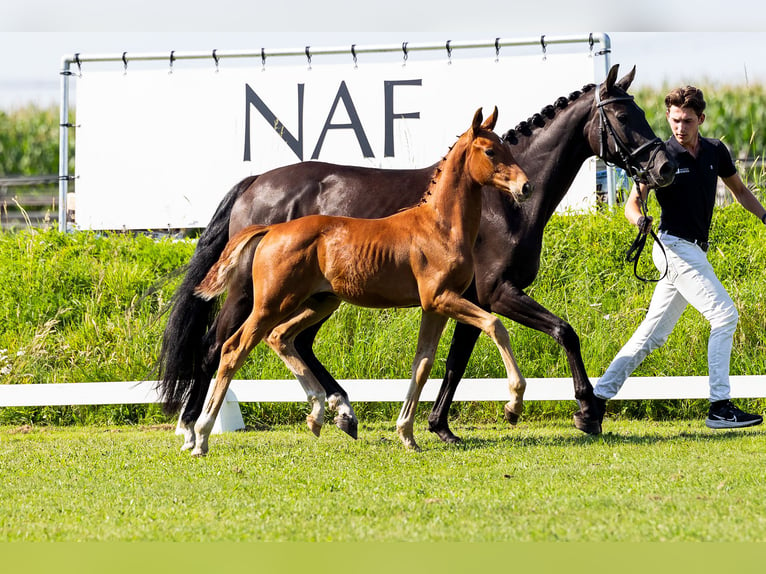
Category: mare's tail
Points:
column 184, row 347
column 217, row 279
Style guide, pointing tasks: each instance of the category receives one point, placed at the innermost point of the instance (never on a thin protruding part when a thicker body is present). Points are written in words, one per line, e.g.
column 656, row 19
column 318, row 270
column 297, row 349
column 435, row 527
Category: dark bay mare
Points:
column 550, row 147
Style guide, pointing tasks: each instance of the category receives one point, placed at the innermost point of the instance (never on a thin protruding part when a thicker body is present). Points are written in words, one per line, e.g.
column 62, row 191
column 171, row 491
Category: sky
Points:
column 722, row 42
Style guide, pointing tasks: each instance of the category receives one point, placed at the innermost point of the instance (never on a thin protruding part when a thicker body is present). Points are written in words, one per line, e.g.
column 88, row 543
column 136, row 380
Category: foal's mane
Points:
column 538, row 120
column 438, row 172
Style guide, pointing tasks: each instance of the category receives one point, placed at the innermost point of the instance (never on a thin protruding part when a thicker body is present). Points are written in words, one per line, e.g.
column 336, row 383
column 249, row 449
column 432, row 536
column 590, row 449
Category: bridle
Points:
column 634, row 171
column 627, row 155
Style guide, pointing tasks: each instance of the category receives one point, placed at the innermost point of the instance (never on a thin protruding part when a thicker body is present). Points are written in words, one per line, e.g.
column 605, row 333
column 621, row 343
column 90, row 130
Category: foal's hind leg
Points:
column 234, row 312
column 431, row 327
column 233, row 355
column 282, row 342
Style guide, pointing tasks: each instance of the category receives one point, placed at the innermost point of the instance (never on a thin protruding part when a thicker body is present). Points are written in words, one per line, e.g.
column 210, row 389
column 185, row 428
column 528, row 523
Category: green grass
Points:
column 640, row 481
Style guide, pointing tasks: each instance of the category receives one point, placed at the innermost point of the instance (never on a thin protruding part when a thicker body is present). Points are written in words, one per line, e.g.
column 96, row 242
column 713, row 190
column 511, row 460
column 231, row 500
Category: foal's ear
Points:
column 476, row 124
column 491, row 121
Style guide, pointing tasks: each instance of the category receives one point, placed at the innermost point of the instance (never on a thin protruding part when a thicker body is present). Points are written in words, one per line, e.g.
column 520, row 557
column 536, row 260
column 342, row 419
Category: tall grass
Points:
column 86, row 307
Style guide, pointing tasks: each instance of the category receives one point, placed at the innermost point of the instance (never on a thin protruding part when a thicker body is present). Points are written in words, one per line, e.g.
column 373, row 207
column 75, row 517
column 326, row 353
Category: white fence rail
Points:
column 362, row 390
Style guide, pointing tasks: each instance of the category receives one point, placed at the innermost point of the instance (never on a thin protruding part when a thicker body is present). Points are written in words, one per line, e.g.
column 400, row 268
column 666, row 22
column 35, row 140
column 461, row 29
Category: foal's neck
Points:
column 453, row 196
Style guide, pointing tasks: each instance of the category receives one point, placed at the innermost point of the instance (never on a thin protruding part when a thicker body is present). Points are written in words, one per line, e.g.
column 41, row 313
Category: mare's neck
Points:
column 553, row 154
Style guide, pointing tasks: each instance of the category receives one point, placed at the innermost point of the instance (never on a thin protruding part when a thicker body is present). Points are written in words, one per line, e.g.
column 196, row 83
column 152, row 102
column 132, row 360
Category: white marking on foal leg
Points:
column 431, row 327
column 202, row 428
column 516, row 382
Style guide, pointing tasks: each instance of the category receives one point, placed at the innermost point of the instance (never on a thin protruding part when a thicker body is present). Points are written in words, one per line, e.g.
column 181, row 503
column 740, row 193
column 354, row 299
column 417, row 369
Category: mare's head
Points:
column 489, row 160
column 620, row 134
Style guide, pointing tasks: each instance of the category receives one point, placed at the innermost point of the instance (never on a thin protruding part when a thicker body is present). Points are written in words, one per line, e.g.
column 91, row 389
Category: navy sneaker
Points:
column 724, row 415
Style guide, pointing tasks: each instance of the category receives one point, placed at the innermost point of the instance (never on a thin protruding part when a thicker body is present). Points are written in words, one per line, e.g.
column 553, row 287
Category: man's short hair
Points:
column 686, row 97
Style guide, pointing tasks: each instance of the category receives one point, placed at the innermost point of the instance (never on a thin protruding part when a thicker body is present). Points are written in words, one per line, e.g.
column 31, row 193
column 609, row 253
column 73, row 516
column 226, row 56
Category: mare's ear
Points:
column 625, row 82
column 611, row 77
column 476, row 124
column 491, row 121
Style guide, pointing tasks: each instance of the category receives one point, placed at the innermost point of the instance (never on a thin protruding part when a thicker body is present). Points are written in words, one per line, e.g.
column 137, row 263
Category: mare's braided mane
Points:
column 547, row 113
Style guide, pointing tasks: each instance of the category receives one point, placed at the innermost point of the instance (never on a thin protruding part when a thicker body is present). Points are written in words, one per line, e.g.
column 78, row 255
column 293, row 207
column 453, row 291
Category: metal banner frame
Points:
column 72, row 66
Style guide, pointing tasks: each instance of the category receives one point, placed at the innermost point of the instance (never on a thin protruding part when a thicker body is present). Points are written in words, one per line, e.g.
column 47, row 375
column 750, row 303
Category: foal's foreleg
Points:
column 282, row 342
column 431, row 327
column 460, row 309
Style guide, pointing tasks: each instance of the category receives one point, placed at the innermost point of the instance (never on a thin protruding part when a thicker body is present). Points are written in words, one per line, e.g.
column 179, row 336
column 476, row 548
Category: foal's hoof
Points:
column 510, row 416
column 588, row 425
column 348, row 425
column 314, row 426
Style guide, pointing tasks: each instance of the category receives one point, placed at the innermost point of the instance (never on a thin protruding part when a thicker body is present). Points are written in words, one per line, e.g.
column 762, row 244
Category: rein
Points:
column 635, row 172
column 634, row 251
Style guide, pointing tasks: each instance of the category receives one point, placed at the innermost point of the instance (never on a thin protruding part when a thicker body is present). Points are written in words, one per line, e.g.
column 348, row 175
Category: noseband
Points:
column 634, row 171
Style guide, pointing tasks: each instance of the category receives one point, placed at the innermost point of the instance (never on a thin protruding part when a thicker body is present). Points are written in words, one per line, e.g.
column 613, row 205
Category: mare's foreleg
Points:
column 463, row 342
column 513, row 303
column 431, row 327
column 281, row 339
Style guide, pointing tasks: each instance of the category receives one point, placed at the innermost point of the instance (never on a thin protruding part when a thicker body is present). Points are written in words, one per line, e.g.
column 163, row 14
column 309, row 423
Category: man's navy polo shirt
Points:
column 687, row 203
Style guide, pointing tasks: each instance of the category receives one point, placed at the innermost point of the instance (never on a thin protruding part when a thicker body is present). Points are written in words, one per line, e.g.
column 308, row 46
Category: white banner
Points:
column 158, row 150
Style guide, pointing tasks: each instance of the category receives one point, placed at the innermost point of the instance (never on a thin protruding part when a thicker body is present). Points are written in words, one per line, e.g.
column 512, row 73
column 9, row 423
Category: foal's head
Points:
column 489, row 160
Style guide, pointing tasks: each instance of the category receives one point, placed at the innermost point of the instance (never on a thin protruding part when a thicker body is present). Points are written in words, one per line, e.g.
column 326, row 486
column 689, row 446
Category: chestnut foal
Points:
column 422, row 256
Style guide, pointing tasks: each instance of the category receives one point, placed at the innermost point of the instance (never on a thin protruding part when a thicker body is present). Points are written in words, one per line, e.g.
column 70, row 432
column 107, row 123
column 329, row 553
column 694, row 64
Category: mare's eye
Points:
column 490, row 153
column 622, row 118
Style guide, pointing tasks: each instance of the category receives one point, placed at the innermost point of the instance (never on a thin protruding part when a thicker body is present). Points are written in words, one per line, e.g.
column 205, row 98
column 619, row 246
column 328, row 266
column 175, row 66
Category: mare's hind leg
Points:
column 281, row 339
column 460, row 309
column 337, row 398
column 431, row 327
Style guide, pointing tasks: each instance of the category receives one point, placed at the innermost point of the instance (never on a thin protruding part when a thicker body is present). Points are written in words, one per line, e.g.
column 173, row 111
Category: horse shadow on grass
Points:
column 526, row 436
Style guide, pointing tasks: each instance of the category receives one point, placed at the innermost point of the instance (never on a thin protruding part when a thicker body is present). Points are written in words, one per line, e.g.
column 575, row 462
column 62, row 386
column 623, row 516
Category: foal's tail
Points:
column 181, row 363
column 217, row 279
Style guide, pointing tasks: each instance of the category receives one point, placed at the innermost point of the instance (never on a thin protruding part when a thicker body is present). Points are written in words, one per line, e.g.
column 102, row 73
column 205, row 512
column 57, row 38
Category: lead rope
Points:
column 634, row 251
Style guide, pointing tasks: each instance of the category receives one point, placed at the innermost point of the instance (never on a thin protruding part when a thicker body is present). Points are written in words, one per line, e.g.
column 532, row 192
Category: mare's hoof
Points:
column 348, row 425
column 588, row 425
column 510, row 416
column 445, row 435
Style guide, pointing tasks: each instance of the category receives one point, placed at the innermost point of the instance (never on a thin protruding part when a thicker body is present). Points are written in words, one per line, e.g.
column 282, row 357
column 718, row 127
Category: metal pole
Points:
column 611, row 176
column 127, row 57
column 64, row 145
